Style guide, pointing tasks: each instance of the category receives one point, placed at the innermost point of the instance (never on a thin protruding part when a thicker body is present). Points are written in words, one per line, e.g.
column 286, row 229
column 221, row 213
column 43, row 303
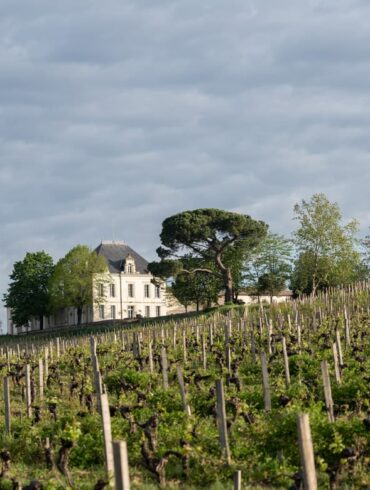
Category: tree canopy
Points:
column 327, row 254
column 199, row 287
column 215, row 236
column 75, row 277
column 28, row 291
column 269, row 268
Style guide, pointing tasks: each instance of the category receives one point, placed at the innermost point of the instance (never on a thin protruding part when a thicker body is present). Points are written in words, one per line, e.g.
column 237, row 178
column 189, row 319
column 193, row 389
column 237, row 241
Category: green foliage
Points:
column 263, row 444
column 269, row 267
column 75, row 277
column 213, row 236
column 28, row 292
column 327, row 254
column 196, row 286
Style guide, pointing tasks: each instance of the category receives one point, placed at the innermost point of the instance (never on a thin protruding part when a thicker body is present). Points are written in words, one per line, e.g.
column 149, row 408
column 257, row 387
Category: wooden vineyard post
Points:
column 253, row 345
column 227, row 330
column 327, row 390
column 7, row 405
column 210, row 334
column 286, row 363
column 180, row 379
column 346, row 328
column 107, row 434
column 336, row 363
column 289, row 324
column 238, row 480
column 28, row 391
column 58, row 347
column 306, row 452
column 135, row 346
column 265, row 383
column 204, row 352
column 95, row 365
column 121, row 468
column 269, row 334
column 221, row 420
column 164, row 367
column 41, row 380
column 150, row 357
column 46, row 368
column 339, row 347
column 7, row 358
column 184, row 353
column 299, row 335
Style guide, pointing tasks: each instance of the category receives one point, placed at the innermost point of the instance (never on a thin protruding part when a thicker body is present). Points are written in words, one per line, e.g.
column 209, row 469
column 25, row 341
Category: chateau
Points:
column 126, row 291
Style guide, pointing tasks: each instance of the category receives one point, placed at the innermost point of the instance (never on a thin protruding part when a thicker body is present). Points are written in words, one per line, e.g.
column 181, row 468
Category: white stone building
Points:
column 128, row 290
column 125, row 291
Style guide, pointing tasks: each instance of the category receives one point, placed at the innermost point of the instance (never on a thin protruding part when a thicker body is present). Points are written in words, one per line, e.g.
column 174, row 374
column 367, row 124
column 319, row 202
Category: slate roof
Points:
column 115, row 254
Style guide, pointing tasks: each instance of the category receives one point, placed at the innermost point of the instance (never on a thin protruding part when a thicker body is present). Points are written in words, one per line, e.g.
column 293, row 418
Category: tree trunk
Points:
column 79, row 315
column 41, row 319
column 226, row 278
column 228, row 284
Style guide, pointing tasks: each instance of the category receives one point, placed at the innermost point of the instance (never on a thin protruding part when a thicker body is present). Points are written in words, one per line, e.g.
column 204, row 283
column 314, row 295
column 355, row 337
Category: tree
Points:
column 28, row 291
column 327, row 254
column 76, row 277
column 365, row 263
column 212, row 235
column 197, row 287
column 270, row 266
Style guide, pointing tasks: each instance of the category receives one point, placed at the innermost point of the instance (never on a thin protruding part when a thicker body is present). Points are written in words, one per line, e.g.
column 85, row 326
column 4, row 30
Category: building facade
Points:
column 127, row 290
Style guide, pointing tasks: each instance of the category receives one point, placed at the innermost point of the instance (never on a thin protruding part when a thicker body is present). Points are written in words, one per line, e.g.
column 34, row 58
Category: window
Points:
column 112, row 290
column 130, row 269
column 130, row 290
column 113, row 312
column 158, row 310
column 101, row 289
column 130, row 312
column 147, row 311
column 157, row 291
column 101, row 311
column 146, row 291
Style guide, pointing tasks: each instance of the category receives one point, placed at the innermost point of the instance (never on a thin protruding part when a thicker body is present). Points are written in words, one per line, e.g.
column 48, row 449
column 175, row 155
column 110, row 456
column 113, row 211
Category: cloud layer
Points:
column 115, row 115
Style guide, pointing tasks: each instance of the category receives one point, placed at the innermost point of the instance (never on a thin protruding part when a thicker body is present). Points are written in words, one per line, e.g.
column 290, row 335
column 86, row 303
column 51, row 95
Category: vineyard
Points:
column 258, row 397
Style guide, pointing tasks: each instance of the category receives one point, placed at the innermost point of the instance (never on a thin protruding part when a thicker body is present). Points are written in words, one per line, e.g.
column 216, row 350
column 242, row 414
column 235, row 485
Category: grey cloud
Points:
column 115, row 115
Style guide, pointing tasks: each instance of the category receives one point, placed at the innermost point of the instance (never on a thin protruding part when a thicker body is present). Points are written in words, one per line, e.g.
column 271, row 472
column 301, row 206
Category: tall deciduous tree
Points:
column 28, row 292
column 327, row 254
column 365, row 264
column 270, row 266
column 213, row 235
column 76, row 278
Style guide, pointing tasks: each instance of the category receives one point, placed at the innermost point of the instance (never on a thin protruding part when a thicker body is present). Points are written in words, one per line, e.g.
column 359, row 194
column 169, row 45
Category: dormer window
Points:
column 129, row 264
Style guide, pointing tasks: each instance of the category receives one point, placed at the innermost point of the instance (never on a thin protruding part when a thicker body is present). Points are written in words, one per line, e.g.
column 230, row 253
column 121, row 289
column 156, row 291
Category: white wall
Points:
column 122, row 300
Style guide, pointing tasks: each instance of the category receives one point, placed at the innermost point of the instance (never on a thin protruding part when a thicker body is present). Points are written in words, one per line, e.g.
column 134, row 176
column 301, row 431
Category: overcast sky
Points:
column 117, row 114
